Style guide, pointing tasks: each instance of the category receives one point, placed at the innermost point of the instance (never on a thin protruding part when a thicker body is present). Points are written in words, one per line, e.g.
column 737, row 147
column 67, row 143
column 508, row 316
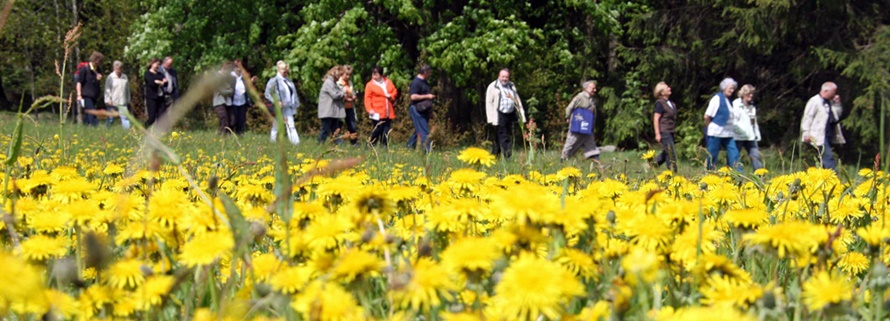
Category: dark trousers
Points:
column 421, row 128
column 329, row 126
column 753, row 151
column 89, row 118
column 351, row 125
column 238, row 118
column 503, row 141
column 669, row 154
column 153, row 107
column 381, row 131
column 223, row 115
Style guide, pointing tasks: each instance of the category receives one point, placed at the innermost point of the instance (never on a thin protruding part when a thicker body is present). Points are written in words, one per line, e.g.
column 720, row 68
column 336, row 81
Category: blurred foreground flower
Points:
column 475, row 155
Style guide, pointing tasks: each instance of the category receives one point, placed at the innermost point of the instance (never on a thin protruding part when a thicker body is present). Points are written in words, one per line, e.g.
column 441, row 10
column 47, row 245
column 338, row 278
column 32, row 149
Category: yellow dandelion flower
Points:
column 42, row 247
column 641, row 265
column 601, row 310
column 475, row 155
column 471, row 255
column 789, row 238
column 578, row 262
column 568, row 172
column 854, row 263
column 721, row 312
column 327, row 231
column 354, row 263
column 461, row 316
column 291, row 279
column 750, row 218
column 126, row 274
column 823, row 289
column 206, row 248
column 429, row 282
column 20, row 280
column 265, row 265
column 761, row 172
column 327, row 302
column 648, row 155
column 531, row 287
column 725, row 290
column 873, row 234
column 465, row 179
column 112, row 169
column 154, row 290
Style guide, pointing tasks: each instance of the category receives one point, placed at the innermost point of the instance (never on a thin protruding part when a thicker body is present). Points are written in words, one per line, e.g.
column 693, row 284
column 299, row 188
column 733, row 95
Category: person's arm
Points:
column 394, row 92
column 108, row 87
column 656, row 118
column 79, row 85
column 330, row 87
column 713, row 105
column 270, row 88
column 809, row 113
column 367, row 99
column 571, row 106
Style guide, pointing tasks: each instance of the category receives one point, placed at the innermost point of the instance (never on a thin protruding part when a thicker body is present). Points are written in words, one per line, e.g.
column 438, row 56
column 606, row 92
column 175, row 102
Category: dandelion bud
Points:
column 257, row 230
column 65, row 271
column 97, row 254
column 769, row 300
column 213, row 183
column 610, row 217
column 146, row 270
column 262, row 289
column 424, row 249
column 703, row 186
column 368, row 235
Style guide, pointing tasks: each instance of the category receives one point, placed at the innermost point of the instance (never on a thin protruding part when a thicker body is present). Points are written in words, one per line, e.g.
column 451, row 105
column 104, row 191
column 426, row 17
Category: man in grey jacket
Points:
column 222, row 98
column 820, row 125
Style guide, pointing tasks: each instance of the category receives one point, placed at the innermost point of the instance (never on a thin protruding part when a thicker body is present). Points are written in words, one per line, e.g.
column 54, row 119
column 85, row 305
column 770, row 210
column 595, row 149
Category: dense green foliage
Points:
column 785, row 48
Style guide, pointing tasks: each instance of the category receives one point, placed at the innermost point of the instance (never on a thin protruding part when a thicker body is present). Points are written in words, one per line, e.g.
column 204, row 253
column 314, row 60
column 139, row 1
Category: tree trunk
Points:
column 4, row 102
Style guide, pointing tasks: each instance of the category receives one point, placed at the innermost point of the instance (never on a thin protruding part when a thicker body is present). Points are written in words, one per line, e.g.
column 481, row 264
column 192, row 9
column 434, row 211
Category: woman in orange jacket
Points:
column 380, row 99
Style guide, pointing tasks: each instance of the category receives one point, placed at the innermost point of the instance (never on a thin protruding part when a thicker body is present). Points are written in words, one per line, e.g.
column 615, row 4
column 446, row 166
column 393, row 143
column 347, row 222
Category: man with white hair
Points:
column 820, row 125
column 502, row 106
column 117, row 93
column 718, row 122
column 580, row 136
column 283, row 89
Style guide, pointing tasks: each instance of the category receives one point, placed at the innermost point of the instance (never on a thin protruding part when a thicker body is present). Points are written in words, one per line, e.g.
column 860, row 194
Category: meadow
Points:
column 102, row 223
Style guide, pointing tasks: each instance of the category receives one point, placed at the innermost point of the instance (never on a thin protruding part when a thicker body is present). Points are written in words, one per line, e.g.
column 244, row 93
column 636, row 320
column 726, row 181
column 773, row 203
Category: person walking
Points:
column 222, row 98
column 580, row 115
column 421, row 108
column 820, row 126
column 747, row 132
column 288, row 101
column 380, row 99
column 502, row 105
column 331, row 109
column 154, row 94
column 718, row 121
column 240, row 99
column 117, row 94
column 345, row 83
column 87, row 87
column 171, row 86
column 664, row 120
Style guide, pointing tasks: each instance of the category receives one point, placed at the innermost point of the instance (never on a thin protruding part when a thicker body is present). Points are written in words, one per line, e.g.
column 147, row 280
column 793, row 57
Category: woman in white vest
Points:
column 283, row 88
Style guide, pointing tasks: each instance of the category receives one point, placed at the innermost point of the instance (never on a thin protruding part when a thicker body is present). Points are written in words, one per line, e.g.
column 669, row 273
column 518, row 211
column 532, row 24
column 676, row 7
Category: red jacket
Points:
column 376, row 102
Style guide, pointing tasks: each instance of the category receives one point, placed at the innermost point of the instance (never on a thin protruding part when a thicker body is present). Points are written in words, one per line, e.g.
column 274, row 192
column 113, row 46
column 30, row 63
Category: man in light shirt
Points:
column 502, row 105
column 820, row 126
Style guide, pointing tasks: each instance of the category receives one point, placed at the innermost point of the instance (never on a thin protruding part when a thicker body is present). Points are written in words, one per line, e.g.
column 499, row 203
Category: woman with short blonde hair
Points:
column 664, row 120
column 747, row 132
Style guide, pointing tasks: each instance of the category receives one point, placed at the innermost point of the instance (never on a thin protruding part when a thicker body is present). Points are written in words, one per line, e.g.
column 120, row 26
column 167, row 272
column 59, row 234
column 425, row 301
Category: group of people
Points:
column 732, row 125
column 161, row 89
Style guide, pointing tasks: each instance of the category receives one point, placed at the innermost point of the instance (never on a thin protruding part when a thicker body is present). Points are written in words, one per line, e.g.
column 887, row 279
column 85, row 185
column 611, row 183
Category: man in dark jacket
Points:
column 171, row 89
column 88, row 90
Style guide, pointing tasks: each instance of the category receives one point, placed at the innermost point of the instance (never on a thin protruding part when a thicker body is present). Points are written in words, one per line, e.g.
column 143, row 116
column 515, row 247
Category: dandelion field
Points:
column 210, row 228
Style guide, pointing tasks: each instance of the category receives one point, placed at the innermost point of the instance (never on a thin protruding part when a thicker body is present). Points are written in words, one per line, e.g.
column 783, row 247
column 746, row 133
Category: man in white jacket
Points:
column 502, row 104
column 117, row 93
column 820, row 126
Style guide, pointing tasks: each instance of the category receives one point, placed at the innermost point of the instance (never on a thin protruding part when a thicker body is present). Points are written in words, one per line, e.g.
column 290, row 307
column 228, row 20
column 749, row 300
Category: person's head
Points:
column 662, row 90
column 746, row 93
column 425, row 71
column 347, row 72
column 118, row 67
column 589, row 86
column 377, row 73
column 504, row 75
column 829, row 90
column 335, row 72
column 168, row 62
column 282, row 67
column 727, row 86
column 227, row 67
column 96, row 58
column 153, row 64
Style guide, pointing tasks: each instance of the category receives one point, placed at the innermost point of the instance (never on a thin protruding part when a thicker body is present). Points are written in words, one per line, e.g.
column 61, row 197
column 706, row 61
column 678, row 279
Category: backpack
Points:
column 77, row 70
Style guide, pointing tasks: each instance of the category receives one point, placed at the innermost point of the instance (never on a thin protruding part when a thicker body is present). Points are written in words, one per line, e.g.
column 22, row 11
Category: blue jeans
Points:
column 732, row 153
column 751, row 147
column 421, row 127
column 828, row 161
column 88, row 118
column 124, row 121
